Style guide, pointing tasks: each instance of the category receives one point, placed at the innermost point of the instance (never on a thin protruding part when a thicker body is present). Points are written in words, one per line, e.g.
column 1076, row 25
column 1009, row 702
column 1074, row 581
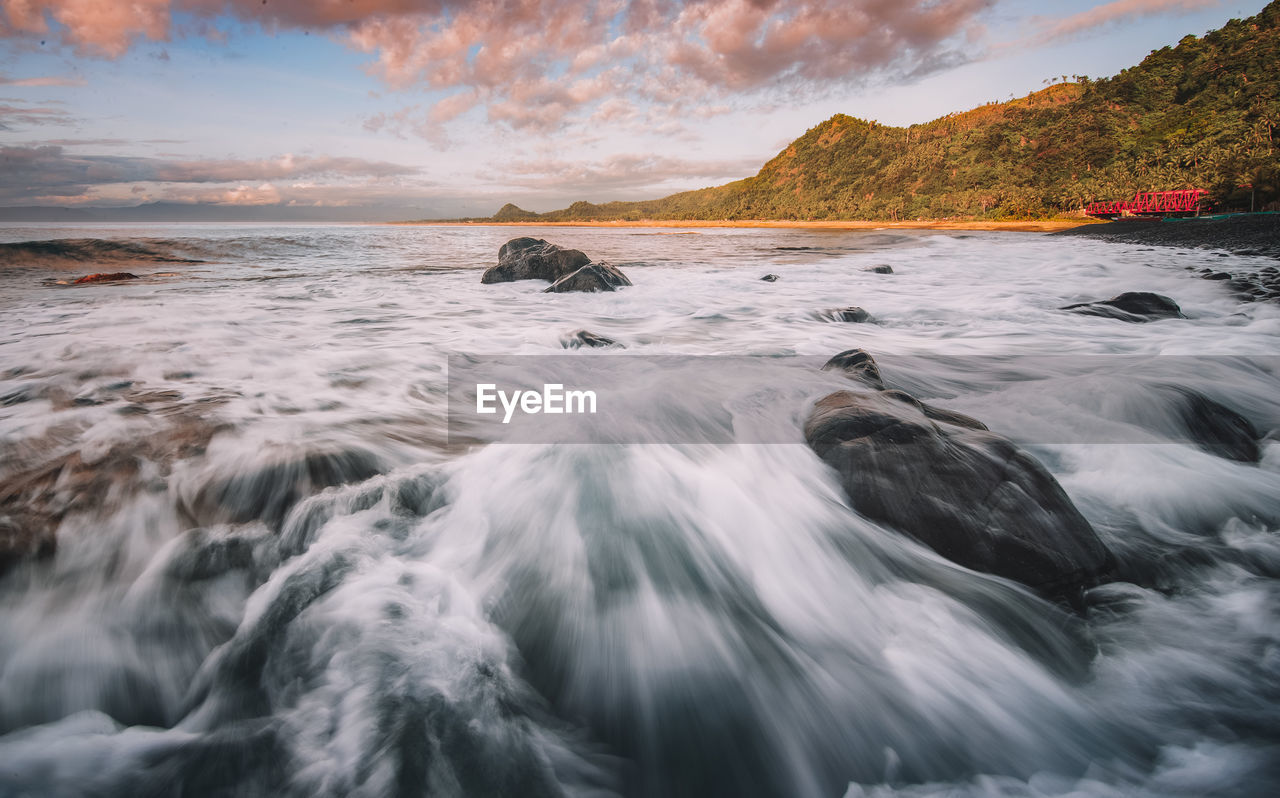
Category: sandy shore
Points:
column 1047, row 226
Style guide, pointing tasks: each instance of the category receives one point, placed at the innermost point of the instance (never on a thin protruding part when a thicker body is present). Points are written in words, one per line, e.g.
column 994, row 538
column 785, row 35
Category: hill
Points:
column 1202, row 114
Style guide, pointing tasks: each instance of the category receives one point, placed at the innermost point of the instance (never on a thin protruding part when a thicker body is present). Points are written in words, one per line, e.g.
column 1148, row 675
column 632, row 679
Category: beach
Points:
column 1030, row 226
column 262, row 534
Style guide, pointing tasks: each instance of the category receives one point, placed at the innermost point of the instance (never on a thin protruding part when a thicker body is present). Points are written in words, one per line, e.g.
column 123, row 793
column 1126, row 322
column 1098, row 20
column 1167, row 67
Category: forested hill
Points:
column 1202, row 114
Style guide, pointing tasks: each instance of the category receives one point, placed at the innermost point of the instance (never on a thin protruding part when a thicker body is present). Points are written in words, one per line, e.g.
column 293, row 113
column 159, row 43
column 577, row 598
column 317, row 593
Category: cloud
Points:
column 1118, row 11
column 52, row 80
column 616, row 174
column 532, row 64
column 102, row 27
column 51, row 171
column 27, row 115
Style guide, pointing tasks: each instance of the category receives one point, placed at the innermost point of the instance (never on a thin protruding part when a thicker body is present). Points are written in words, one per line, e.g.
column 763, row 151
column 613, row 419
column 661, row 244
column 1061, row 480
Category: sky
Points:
column 397, row 109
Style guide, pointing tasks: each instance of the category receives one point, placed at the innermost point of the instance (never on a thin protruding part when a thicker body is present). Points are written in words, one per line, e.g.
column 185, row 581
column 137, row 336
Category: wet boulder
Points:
column 591, row 277
column 533, row 259
column 265, row 485
column 585, row 338
column 969, row 494
column 881, row 269
column 852, row 314
column 859, row 365
column 937, row 413
column 770, row 278
column 1215, row 427
column 1131, row 306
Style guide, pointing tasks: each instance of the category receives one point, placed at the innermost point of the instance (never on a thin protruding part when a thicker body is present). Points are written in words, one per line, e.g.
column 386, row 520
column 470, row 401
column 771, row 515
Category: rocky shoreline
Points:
column 1240, row 234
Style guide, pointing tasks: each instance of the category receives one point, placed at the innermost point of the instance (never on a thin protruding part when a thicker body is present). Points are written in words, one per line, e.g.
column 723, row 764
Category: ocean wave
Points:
column 78, row 252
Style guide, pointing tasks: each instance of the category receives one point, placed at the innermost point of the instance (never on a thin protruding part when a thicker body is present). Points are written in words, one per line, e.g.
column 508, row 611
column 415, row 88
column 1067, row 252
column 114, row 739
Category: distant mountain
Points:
column 41, row 213
column 1203, row 114
column 510, row 213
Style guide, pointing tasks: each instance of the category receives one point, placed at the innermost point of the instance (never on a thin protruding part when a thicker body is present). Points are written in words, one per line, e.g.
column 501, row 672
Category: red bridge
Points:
column 1151, row 203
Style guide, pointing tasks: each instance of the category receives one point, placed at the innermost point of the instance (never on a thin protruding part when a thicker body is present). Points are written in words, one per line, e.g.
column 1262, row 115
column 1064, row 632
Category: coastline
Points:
column 1239, row 233
column 1044, row 226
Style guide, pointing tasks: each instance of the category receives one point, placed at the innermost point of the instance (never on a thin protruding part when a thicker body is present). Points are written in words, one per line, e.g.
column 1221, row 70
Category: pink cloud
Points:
column 28, row 115
column 52, row 80
column 1118, row 11
column 627, row 172
column 533, row 63
column 99, row 27
column 51, row 170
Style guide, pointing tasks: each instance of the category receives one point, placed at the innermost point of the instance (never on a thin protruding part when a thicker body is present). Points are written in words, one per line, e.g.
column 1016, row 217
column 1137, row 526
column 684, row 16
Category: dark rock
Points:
column 1132, row 306
column 581, row 338
column 937, row 413
column 533, row 259
column 861, row 366
column 849, row 314
column 25, row 535
column 113, row 277
column 1216, row 428
column 880, row 269
column 858, row 364
column 970, row 495
column 770, row 278
column 1216, row 276
column 592, row 277
column 268, row 489
column 1258, row 233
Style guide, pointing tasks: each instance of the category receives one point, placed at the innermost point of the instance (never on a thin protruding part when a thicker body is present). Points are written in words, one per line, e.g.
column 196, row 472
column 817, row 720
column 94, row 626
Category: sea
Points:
column 270, row 559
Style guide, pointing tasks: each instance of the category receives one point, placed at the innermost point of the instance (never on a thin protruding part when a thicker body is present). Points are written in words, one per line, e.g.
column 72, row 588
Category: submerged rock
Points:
column 1132, row 306
column 533, row 259
column 937, row 413
column 1215, row 427
column 581, row 338
column 858, row 364
column 770, row 278
column 25, row 535
column 266, row 488
column 850, row 314
column 969, row 494
column 592, row 277
column 104, row 277
column 881, row 269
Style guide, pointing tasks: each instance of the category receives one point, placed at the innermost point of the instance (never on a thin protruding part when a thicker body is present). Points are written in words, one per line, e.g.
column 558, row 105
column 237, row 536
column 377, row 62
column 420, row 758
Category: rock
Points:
column 581, row 338
column 1216, row 276
column 970, row 495
column 266, row 486
column 861, row 366
column 23, row 536
column 770, row 278
column 1216, row 428
column 1133, row 306
column 937, row 413
column 113, row 277
column 592, row 277
column 849, row 314
column 882, row 269
column 858, row 364
column 533, row 259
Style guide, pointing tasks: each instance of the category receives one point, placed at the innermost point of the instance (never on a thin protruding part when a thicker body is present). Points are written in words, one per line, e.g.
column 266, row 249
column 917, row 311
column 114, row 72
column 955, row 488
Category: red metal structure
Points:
column 1151, row 203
